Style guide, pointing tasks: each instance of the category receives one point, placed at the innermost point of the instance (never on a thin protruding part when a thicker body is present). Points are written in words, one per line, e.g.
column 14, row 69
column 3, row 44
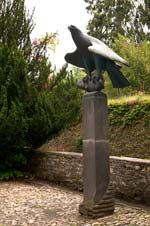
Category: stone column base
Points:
column 96, row 210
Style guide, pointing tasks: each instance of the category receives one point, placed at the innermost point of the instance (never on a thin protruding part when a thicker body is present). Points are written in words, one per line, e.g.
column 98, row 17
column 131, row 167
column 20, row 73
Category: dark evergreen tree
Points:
column 16, row 25
column 17, row 89
column 33, row 106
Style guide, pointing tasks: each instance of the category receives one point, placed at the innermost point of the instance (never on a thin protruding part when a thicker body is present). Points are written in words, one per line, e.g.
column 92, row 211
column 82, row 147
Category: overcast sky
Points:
column 56, row 15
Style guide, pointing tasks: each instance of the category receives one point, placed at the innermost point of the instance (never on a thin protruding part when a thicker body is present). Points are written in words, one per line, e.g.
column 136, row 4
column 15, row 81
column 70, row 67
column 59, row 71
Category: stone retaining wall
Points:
column 130, row 177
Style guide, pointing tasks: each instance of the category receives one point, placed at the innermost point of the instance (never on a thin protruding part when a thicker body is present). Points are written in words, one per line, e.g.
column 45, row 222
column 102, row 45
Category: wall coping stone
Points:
column 127, row 159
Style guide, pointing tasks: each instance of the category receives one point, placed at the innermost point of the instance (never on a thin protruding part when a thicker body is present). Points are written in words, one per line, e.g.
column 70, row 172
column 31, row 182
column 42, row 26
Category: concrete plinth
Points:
column 98, row 194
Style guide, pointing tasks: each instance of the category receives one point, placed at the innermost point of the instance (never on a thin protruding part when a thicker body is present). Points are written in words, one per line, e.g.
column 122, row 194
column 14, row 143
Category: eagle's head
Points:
column 73, row 29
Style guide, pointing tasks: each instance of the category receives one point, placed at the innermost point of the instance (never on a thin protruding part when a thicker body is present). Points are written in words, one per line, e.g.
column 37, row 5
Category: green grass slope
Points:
column 129, row 130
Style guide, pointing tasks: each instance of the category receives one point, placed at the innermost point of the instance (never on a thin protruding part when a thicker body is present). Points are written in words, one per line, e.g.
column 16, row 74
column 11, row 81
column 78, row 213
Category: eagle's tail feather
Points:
column 117, row 78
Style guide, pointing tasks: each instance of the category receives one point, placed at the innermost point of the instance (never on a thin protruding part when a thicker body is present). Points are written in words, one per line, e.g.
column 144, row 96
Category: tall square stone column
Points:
column 98, row 193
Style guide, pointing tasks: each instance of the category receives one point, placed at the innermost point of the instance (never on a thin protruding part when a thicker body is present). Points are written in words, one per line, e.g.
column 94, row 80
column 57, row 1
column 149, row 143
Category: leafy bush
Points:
column 55, row 110
column 12, row 94
column 7, row 175
column 138, row 56
column 129, row 114
column 138, row 73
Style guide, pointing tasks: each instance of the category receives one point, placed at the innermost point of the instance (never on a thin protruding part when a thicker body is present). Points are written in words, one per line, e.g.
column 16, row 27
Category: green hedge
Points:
column 129, row 114
column 129, row 129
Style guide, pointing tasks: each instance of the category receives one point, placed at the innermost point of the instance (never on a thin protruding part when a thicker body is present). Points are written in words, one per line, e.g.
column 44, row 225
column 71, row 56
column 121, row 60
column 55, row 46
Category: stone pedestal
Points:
column 98, row 193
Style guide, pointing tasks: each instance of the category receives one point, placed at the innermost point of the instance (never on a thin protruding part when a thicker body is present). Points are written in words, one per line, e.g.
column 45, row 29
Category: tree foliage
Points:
column 35, row 101
column 127, row 17
column 138, row 55
column 138, row 72
column 16, row 25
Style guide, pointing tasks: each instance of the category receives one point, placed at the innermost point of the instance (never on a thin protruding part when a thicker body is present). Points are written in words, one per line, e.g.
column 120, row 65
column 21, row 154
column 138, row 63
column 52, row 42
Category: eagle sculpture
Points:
column 93, row 54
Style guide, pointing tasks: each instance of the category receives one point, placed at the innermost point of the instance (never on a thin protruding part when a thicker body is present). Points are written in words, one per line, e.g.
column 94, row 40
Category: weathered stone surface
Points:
column 95, row 116
column 60, row 167
column 95, row 155
column 99, row 209
column 130, row 177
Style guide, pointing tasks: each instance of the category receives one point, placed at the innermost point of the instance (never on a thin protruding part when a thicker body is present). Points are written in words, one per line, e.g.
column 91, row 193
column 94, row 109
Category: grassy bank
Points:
column 129, row 130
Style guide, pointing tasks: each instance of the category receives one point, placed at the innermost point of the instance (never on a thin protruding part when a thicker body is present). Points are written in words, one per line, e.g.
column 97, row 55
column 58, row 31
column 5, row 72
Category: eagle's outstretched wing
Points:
column 105, row 51
column 76, row 59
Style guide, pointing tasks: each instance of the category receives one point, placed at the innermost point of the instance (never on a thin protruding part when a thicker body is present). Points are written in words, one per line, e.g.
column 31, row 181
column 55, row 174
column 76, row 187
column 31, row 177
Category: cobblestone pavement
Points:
column 41, row 204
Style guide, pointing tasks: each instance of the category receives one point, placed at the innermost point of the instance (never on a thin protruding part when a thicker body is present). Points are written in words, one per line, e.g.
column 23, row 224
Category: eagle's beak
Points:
column 69, row 27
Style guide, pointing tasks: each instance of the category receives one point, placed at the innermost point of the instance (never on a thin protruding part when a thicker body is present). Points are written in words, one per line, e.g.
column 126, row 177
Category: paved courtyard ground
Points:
column 39, row 203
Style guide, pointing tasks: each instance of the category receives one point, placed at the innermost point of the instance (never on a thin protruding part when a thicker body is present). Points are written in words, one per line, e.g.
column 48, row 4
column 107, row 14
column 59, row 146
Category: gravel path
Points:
column 41, row 204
